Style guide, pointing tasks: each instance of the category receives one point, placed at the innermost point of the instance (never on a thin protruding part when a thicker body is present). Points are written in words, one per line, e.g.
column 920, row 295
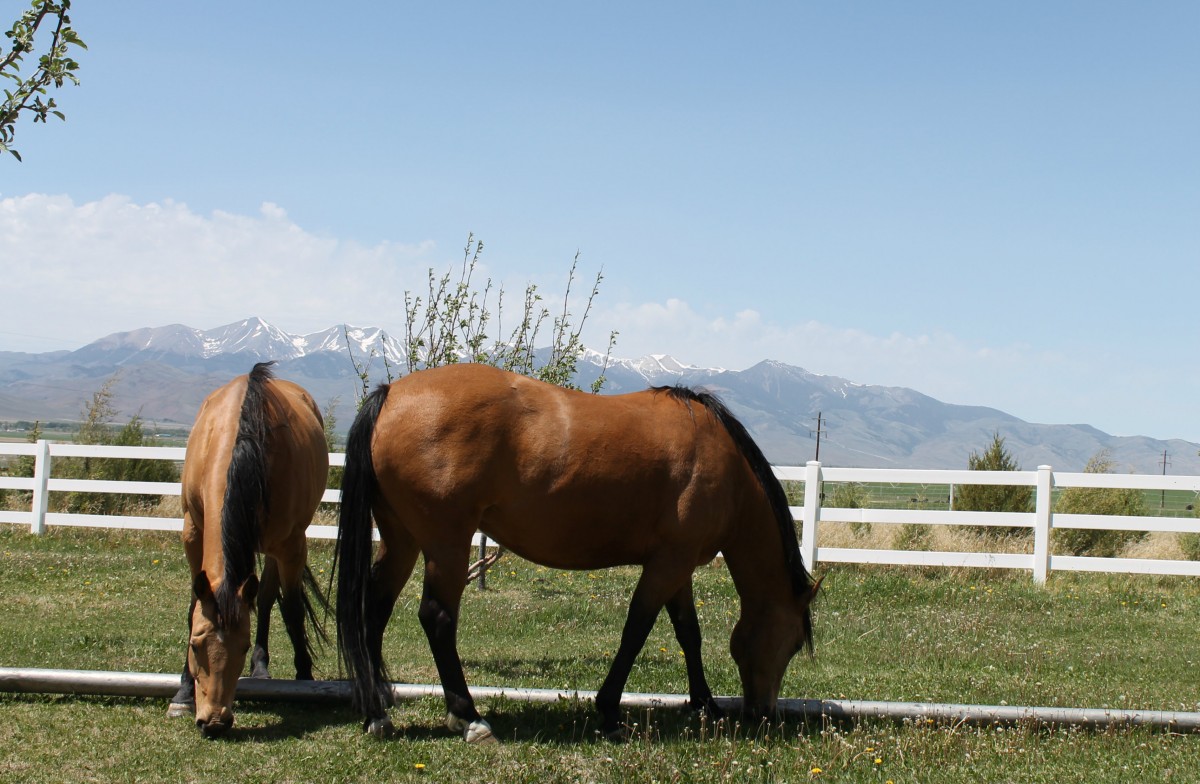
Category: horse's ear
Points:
column 812, row 594
column 201, row 587
column 249, row 589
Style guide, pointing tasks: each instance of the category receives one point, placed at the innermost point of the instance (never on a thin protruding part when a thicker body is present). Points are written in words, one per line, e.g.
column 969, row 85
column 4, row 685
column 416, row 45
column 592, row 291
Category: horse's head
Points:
column 217, row 651
column 764, row 641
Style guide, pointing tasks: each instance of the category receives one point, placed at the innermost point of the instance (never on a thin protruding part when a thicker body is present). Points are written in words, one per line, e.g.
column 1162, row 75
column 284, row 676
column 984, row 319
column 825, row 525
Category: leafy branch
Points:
column 55, row 67
column 451, row 325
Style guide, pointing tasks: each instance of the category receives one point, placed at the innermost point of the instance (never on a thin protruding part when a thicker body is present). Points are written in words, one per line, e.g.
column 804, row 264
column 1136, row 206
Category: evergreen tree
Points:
column 994, row 498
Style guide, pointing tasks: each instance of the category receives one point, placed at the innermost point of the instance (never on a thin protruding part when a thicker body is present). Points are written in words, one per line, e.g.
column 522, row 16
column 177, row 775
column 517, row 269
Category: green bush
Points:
column 994, row 498
column 97, row 429
column 1098, row 501
column 850, row 495
column 1190, row 543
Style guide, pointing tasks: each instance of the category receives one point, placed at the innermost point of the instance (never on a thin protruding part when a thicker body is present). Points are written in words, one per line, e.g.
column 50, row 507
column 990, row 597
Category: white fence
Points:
column 1042, row 520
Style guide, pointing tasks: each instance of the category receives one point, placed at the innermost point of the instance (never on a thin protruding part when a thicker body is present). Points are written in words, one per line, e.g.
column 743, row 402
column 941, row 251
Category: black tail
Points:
column 801, row 581
column 314, row 599
column 245, row 504
column 352, row 564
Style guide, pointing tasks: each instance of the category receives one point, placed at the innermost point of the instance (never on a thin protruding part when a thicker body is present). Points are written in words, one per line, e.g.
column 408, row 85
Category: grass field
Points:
column 114, row 600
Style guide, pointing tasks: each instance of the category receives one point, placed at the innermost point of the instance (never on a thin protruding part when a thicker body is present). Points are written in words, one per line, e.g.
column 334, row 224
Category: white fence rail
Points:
column 810, row 516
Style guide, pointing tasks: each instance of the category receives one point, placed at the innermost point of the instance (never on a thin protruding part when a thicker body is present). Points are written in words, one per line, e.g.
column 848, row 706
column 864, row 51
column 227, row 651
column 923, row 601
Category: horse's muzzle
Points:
column 214, row 728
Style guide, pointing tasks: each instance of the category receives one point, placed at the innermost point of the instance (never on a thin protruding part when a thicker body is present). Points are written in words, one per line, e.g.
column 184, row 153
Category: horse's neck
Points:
column 754, row 555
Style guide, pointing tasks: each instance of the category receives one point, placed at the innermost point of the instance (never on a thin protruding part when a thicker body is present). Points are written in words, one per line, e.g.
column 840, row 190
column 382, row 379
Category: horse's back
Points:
column 561, row 477
column 296, row 452
column 299, row 456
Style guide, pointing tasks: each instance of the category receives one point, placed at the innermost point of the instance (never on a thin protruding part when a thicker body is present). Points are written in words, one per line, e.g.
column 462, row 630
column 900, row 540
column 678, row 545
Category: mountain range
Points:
column 163, row 373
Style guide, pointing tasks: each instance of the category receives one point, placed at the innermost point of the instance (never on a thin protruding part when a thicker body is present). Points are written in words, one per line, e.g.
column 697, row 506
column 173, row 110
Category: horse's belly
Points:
column 573, row 545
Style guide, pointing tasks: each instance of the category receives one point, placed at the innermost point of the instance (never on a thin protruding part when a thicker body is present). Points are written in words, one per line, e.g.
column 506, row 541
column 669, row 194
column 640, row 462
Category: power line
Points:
column 817, row 433
column 1162, row 501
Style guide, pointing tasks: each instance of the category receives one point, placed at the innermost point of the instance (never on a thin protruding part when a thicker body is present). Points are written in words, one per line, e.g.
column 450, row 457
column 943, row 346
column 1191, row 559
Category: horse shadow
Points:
column 289, row 720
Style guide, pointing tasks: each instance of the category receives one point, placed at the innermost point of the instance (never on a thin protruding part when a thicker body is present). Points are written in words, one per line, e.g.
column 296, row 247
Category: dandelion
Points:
column 878, row 761
column 420, row 767
column 156, row 562
column 815, row 771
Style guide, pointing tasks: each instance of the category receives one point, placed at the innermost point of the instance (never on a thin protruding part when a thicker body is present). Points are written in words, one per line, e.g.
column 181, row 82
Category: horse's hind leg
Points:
column 292, row 609
column 268, row 592
column 441, row 598
column 681, row 608
column 393, row 566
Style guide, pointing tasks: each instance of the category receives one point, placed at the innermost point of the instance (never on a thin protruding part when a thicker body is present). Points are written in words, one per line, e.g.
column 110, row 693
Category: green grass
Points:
column 116, row 600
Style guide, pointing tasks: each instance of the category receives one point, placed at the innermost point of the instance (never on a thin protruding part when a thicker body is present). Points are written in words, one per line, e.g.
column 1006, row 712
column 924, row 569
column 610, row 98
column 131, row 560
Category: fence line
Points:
column 1042, row 520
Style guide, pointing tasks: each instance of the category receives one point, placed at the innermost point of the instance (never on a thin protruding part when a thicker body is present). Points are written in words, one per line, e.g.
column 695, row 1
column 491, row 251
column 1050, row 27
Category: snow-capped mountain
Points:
column 252, row 339
column 165, row 372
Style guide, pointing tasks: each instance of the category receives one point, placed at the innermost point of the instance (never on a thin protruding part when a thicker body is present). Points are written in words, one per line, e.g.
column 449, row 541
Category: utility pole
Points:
column 1162, row 500
column 818, row 435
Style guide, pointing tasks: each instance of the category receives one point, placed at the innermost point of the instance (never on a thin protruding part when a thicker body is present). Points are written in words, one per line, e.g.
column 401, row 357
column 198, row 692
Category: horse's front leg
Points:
column 184, row 701
column 681, row 608
column 648, row 599
column 268, row 592
column 441, row 597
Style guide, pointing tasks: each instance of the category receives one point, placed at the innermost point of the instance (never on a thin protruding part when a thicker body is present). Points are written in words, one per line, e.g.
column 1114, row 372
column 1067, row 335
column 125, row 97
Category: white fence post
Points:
column 1041, row 525
column 41, row 479
column 812, row 514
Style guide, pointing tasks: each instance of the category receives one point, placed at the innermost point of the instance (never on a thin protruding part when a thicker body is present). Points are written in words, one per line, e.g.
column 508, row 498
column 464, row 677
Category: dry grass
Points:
column 948, row 538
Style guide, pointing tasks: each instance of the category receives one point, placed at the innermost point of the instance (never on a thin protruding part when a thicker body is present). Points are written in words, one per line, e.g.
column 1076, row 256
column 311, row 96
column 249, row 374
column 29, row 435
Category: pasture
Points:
column 116, row 600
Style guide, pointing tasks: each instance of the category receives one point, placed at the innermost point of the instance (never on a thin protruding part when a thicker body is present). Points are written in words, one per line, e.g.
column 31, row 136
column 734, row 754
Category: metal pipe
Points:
column 144, row 684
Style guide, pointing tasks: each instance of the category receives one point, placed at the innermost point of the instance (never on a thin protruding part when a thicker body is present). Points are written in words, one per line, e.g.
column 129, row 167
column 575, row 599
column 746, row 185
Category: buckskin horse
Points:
column 664, row 478
column 253, row 473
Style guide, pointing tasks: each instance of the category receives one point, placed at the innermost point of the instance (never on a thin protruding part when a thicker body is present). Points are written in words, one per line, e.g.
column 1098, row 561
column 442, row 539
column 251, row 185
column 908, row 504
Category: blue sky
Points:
column 995, row 205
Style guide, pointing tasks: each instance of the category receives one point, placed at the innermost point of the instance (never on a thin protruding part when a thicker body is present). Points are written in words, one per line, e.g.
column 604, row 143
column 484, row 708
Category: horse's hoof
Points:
column 478, row 732
column 177, row 709
column 620, row 735
column 380, row 728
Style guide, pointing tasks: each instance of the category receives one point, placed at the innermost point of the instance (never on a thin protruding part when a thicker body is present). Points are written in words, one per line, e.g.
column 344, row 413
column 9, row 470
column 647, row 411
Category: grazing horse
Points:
column 665, row 479
column 253, row 474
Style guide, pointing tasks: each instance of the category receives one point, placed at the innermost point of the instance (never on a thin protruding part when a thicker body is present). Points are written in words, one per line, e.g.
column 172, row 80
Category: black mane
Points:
column 801, row 581
column 245, row 504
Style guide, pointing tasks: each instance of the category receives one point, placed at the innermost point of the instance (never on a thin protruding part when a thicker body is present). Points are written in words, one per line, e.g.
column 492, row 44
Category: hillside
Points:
column 165, row 372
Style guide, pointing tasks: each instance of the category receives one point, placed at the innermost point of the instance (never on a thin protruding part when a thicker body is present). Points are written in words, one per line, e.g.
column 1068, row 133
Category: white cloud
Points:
column 75, row 272
column 1013, row 377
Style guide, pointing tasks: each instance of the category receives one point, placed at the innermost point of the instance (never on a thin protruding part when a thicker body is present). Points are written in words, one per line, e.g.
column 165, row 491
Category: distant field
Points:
column 883, row 495
column 171, row 435
column 115, row 600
